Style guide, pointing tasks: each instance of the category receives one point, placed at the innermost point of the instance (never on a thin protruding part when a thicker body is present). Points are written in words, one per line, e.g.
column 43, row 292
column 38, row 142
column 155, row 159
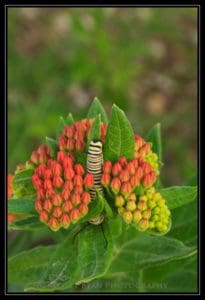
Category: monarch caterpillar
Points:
column 94, row 166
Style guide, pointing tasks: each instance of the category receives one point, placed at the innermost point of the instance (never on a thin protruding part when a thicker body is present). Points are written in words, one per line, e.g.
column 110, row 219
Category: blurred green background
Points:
column 143, row 59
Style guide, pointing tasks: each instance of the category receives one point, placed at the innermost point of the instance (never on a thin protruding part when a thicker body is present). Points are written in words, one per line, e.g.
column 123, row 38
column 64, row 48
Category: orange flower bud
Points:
column 139, row 172
column 144, row 149
column 34, row 157
column 67, row 206
column 132, row 197
column 53, row 224
column 38, row 206
column 75, row 199
column 67, row 162
column 124, row 176
column 57, row 181
column 123, row 161
column 50, row 163
column 86, row 198
column 70, row 144
column 42, row 158
column 103, row 130
column 83, row 208
column 107, row 167
column 79, row 145
column 79, row 170
column 147, row 213
column 78, row 190
column 78, row 180
column 57, row 211
column 126, row 189
column 131, row 168
column 49, row 193
column 149, row 179
column 48, row 174
column 40, row 194
column 137, row 215
column 142, row 205
column 135, row 163
column 47, row 205
column 61, row 156
column 115, row 185
column 65, row 193
column 69, row 173
column 68, row 185
column 134, row 181
column 62, row 142
column 105, row 179
column 88, row 180
column 41, row 170
column 65, row 220
column 43, row 216
column 69, row 131
column 48, row 184
column 57, row 200
column 116, row 169
column 146, row 167
column 74, row 215
column 56, row 169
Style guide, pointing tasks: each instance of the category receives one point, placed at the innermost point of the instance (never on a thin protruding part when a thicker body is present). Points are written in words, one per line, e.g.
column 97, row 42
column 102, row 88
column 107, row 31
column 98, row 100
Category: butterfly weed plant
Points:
column 97, row 186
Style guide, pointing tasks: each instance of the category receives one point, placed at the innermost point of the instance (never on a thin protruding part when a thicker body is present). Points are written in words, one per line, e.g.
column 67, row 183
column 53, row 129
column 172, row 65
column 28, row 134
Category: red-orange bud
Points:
column 131, row 168
column 47, row 205
column 123, row 161
column 69, row 131
column 116, row 169
column 41, row 170
column 53, row 224
column 134, row 181
column 67, row 206
column 65, row 194
column 48, row 174
column 57, row 211
column 67, row 162
column 40, row 194
column 78, row 180
column 57, row 181
column 79, row 170
column 56, row 169
column 124, row 176
column 62, row 142
column 69, row 173
column 75, row 199
column 74, row 215
column 49, row 193
column 146, row 167
column 83, row 208
column 115, row 185
column 68, row 185
column 126, row 189
column 38, row 205
column 48, row 184
column 79, row 144
column 43, row 216
column 105, row 179
column 60, row 156
column 57, row 200
column 86, row 198
column 88, row 180
column 139, row 172
column 135, row 163
column 35, row 157
column 65, row 220
column 70, row 144
column 78, row 190
column 107, row 167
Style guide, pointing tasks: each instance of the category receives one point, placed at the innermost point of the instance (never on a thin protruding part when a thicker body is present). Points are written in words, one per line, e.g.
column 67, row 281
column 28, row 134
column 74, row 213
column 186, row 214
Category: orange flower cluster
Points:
column 62, row 191
column 143, row 149
column 10, row 217
column 74, row 137
column 41, row 155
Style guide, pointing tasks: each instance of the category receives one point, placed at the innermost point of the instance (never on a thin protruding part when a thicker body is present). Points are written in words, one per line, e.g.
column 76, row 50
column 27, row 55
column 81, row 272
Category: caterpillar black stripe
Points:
column 94, row 166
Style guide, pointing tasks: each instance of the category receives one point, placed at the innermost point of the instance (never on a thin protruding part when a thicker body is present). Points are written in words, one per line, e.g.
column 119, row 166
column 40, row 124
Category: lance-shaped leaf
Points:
column 95, row 109
column 21, row 206
column 30, row 223
column 95, row 130
column 154, row 137
column 120, row 136
column 53, row 145
column 69, row 120
column 61, row 125
column 177, row 196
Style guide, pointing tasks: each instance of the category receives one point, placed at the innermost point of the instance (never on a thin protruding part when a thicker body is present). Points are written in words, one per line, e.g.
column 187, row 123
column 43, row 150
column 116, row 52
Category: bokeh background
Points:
column 142, row 59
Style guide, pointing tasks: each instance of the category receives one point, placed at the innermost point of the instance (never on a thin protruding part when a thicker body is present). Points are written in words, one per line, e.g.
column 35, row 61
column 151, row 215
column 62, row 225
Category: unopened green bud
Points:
column 156, row 210
column 151, row 224
column 151, row 203
column 147, row 213
column 137, row 215
column 157, row 196
column 121, row 210
column 143, row 224
column 127, row 216
column 131, row 205
column 155, row 218
column 161, row 202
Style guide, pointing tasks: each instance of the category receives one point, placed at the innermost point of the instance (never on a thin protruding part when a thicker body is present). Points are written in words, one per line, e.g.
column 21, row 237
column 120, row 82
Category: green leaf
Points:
column 53, row 145
column 95, row 109
column 28, row 266
column 81, row 257
column 61, row 125
column 177, row 196
column 154, row 137
column 120, row 136
column 69, row 120
column 31, row 223
column 21, row 206
column 95, row 130
column 22, row 184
